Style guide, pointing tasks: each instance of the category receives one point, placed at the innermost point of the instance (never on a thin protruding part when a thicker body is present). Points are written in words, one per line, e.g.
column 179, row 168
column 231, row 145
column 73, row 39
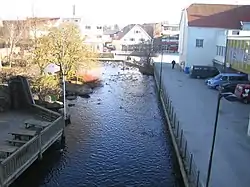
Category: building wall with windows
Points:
column 201, row 45
column 221, row 42
column 238, row 51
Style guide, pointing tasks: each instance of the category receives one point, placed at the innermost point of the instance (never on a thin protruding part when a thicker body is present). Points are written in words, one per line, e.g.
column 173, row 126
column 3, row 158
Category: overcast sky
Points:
column 104, row 11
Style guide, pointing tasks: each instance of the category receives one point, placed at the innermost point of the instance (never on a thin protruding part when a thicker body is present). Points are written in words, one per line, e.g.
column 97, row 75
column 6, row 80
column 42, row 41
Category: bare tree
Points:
column 14, row 31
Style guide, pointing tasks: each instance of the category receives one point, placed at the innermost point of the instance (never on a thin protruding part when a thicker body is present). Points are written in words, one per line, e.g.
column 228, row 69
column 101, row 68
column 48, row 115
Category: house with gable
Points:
column 200, row 27
column 132, row 36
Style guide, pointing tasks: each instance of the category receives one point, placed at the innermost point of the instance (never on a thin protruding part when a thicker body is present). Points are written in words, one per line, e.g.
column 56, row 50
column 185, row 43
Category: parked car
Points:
column 223, row 78
column 197, row 71
column 242, row 91
column 230, row 86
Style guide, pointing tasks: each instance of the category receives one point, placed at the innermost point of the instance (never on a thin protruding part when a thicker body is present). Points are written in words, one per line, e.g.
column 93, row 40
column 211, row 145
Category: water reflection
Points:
column 117, row 138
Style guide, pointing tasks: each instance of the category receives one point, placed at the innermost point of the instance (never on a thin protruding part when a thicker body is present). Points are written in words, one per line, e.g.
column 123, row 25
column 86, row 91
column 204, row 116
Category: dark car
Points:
column 230, row 87
column 203, row 72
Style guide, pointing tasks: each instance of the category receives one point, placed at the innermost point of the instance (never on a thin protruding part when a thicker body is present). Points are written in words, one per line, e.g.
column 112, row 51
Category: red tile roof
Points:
column 218, row 15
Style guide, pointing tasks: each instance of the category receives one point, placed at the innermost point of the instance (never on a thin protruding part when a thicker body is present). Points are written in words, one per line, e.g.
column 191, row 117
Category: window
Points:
column 132, row 39
column 99, row 27
column 220, row 51
column 224, row 78
column 87, row 27
column 76, row 20
column 199, row 42
column 223, row 51
column 137, row 32
column 99, row 36
column 142, row 40
column 217, row 50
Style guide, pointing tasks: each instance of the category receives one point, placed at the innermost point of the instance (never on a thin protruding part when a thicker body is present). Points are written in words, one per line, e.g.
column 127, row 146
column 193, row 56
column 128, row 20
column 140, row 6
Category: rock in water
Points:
column 84, row 95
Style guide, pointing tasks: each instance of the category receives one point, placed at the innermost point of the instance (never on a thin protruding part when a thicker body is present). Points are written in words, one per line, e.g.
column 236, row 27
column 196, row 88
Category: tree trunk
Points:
column 10, row 54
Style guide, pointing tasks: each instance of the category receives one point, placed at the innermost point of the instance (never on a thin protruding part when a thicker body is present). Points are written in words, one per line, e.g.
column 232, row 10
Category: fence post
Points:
column 172, row 115
column 181, row 138
column 40, row 156
column 198, row 178
column 178, row 125
column 169, row 108
column 174, row 121
column 190, row 164
column 1, row 175
column 185, row 149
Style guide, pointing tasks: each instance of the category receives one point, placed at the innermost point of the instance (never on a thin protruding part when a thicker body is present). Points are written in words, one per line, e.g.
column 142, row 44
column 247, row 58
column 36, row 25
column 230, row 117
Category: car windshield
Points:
column 217, row 77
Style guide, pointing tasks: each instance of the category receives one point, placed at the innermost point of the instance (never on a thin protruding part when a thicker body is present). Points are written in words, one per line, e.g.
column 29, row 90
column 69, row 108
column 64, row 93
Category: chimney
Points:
column 74, row 10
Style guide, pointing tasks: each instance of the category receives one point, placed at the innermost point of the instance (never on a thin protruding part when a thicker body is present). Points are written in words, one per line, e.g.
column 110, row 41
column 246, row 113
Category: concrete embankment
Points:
column 185, row 160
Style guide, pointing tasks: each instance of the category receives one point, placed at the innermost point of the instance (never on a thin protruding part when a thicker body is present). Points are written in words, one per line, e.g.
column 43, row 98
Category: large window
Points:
column 199, row 43
column 220, row 50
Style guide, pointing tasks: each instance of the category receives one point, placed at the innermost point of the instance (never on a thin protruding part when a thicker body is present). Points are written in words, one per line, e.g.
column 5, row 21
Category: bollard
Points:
column 190, row 164
column 198, row 178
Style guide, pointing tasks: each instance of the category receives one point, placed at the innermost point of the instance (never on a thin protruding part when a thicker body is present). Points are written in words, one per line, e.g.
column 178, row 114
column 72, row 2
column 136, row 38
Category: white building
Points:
column 170, row 29
column 92, row 33
column 200, row 26
column 133, row 34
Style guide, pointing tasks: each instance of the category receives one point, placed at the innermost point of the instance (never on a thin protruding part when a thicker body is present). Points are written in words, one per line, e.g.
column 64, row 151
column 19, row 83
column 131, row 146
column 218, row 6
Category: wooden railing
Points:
column 19, row 161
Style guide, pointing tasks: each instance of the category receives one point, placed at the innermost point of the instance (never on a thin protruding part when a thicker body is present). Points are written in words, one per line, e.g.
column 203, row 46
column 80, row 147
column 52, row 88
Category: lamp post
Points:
column 230, row 97
column 161, row 66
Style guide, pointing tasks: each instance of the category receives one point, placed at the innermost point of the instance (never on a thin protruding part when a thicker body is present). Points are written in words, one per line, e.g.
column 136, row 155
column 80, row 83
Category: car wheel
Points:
column 216, row 87
column 198, row 77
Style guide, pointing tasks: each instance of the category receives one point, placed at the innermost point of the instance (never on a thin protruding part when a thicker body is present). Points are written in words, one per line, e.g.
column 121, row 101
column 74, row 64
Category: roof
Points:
column 149, row 29
column 218, row 15
column 110, row 32
column 124, row 31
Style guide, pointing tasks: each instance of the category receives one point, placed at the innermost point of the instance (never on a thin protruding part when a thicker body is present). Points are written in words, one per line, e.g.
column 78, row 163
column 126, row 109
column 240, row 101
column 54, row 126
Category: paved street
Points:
column 195, row 105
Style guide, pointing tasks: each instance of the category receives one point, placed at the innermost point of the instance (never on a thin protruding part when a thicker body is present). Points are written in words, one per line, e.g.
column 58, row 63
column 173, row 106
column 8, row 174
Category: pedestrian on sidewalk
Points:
column 173, row 64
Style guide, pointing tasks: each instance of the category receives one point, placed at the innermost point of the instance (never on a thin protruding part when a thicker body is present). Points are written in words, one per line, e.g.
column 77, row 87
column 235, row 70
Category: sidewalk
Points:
column 195, row 106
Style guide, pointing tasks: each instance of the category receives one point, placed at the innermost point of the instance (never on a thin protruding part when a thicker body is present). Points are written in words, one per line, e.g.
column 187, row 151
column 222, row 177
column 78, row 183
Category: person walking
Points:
column 173, row 64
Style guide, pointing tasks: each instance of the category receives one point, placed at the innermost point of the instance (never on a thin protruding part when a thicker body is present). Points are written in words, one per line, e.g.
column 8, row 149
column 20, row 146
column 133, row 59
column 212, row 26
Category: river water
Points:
column 117, row 138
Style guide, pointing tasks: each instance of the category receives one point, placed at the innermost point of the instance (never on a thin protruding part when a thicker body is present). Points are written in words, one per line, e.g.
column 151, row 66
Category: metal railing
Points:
column 19, row 161
column 191, row 169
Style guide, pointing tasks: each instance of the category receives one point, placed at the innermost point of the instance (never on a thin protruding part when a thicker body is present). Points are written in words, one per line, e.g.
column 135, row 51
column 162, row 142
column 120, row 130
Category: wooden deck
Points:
column 24, row 136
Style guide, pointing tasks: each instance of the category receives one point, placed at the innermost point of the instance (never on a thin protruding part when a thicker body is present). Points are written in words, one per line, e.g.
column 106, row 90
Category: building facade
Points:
column 238, row 50
column 132, row 37
column 200, row 25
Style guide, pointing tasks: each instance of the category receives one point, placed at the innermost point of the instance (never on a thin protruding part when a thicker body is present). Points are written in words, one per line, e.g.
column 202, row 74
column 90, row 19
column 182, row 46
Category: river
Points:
column 117, row 138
